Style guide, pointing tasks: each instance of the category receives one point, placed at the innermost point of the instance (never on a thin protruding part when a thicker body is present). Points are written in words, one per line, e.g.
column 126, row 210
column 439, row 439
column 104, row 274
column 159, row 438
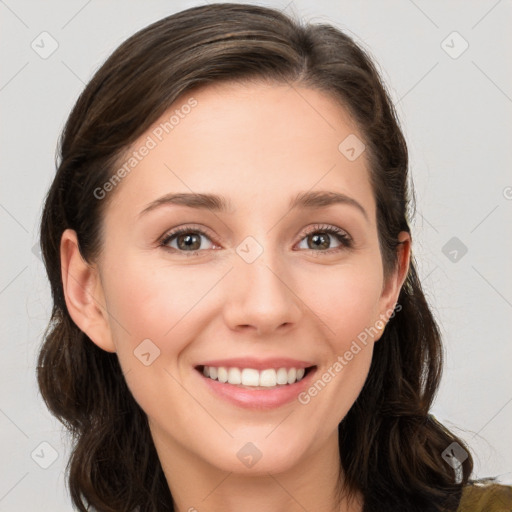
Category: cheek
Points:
column 154, row 318
column 156, row 302
column 345, row 298
column 348, row 309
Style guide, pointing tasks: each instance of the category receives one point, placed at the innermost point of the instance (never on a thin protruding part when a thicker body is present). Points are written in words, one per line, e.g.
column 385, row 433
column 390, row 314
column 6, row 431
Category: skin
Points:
column 258, row 145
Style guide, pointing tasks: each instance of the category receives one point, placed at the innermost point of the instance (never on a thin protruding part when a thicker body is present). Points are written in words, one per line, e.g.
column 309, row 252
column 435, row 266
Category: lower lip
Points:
column 259, row 398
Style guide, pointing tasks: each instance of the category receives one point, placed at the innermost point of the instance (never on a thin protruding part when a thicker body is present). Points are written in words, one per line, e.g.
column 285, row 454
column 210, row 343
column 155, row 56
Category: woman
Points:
column 238, row 321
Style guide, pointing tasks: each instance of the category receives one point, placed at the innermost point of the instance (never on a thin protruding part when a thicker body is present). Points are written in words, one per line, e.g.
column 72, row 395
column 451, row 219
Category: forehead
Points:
column 257, row 144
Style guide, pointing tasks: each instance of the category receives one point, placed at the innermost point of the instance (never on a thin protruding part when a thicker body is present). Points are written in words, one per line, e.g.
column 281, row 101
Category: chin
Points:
column 257, row 458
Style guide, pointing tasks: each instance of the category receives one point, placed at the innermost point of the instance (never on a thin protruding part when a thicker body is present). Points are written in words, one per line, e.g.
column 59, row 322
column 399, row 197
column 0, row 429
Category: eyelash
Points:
column 344, row 239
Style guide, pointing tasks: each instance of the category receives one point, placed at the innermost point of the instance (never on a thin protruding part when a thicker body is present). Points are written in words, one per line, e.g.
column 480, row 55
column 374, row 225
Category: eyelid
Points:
column 186, row 227
column 325, row 227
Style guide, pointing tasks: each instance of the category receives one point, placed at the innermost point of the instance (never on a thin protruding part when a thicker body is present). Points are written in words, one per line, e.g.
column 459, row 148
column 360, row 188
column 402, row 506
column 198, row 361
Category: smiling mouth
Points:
column 250, row 378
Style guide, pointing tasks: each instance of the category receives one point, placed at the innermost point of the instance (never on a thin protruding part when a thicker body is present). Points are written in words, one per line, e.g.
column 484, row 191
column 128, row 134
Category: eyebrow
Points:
column 216, row 203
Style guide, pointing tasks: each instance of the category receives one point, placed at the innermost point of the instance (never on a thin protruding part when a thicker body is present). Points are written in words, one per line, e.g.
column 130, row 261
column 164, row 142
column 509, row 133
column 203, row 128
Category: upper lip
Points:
column 258, row 364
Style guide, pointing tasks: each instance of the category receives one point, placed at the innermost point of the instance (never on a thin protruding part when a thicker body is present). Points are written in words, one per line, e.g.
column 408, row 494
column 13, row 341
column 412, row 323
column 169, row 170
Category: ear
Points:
column 83, row 293
column 393, row 285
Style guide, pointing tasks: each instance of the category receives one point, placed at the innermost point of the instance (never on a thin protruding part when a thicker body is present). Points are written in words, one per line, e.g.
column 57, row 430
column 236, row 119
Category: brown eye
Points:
column 185, row 239
column 189, row 241
column 319, row 239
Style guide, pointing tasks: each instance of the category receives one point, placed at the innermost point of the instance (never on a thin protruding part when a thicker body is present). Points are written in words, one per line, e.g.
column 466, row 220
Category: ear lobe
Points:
column 83, row 293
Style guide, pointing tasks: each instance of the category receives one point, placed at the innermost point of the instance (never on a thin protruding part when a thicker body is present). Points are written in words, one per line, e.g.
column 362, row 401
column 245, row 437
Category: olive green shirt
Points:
column 486, row 498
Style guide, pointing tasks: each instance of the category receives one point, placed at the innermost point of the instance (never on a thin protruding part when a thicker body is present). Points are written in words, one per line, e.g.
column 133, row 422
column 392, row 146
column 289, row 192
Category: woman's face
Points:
column 256, row 285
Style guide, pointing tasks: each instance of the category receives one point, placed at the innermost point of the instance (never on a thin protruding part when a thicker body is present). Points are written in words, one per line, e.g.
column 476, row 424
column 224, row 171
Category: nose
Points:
column 261, row 298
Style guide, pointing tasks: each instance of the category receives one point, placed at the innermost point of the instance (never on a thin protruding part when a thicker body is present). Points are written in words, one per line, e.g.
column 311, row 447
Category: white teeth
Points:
column 251, row 377
column 292, row 375
column 268, row 378
column 282, row 376
column 234, row 376
column 222, row 374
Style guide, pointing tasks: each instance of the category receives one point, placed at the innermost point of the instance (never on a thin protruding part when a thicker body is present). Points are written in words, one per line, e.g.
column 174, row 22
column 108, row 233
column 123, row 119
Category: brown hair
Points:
column 390, row 446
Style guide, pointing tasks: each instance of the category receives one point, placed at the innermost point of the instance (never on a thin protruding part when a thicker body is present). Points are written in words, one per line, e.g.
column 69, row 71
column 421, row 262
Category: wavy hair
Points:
column 390, row 446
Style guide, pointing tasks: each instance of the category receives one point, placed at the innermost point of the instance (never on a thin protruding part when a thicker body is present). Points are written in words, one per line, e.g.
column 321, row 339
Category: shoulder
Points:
column 486, row 498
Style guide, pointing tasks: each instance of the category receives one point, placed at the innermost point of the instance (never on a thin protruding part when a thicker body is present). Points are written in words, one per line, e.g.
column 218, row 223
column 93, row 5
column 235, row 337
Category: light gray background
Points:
column 456, row 114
